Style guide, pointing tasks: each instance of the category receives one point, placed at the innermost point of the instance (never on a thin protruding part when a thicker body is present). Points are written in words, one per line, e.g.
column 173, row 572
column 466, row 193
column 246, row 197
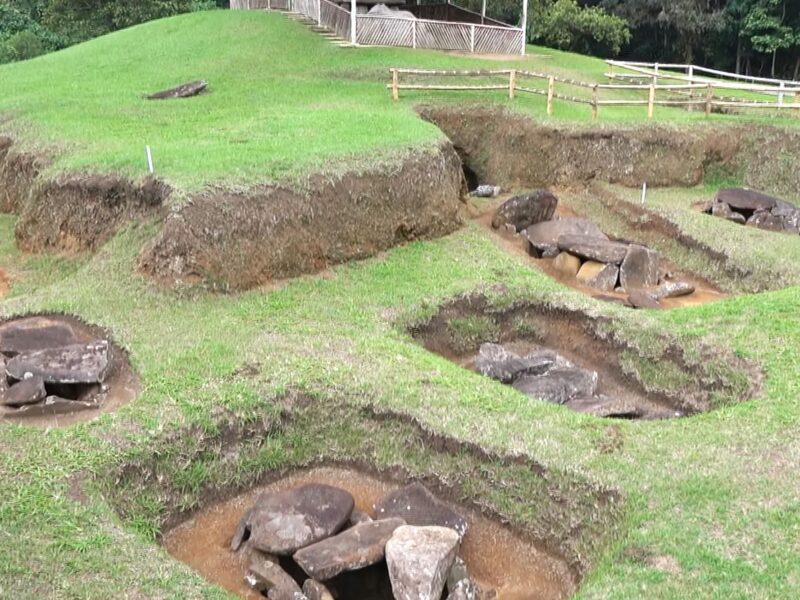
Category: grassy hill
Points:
column 711, row 505
column 282, row 100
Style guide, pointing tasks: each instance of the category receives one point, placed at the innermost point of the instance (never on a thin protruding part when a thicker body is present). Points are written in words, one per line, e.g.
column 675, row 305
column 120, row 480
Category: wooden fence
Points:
column 653, row 95
column 381, row 30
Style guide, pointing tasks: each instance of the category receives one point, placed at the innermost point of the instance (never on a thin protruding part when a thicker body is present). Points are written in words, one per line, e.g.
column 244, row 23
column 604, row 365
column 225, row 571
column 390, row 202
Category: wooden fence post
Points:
column 594, row 102
column 551, row 86
column 797, row 101
column 651, row 101
column 395, row 85
column 709, row 98
column 512, row 83
column 610, row 72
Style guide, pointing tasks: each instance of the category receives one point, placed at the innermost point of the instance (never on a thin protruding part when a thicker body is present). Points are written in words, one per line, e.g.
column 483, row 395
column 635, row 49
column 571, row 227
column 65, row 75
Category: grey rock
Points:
column 283, row 522
column 486, row 191
column 265, row 575
column 77, row 363
column 417, row 506
column 766, row 220
column 603, row 406
column 498, row 363
column 643, row 299
column 459, row 585
column 592, row 248
column 186, row 90
column 542, row 388
column 790, row 215
column 523, row 211
column 314, row 590
column 53, row 405
column 546, row 354
column 672, row 289
column 599, row 275
column 419, row 559
column 745, row 199
column 640, row 268
column 34, row 333
column 577, row 381
column 359, row 517
column 543, row 237
column 355, row 548
column 28, row 391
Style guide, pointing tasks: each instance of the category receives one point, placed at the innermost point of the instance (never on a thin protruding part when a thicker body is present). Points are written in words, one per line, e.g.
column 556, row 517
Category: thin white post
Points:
column 414, row 33
column 472, row 38
column 780, row 95
column 483, row 13
column 353, row 37
column 524, row 25
column 655, row 76
column 149, row 159
column 691, row 73
column 319, row 13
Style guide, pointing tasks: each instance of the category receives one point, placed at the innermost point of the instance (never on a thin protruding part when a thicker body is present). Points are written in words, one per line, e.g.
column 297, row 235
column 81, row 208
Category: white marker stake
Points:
column 149, row 160
column 644, row 192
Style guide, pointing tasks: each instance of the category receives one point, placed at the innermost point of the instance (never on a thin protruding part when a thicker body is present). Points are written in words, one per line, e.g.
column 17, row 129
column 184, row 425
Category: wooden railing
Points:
column 521, row 81
column 452, row 13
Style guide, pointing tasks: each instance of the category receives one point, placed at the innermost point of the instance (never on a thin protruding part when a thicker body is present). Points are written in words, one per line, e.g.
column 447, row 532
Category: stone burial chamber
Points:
column 749, row 207
column 54, row 366
column 620, row 271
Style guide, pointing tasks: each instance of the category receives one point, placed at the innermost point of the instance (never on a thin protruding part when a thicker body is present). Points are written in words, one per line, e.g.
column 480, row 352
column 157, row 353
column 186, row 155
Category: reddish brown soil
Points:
column 243, row 240
column 496, row 557
column 704, row 292
column 122, row 381
column 5, row 282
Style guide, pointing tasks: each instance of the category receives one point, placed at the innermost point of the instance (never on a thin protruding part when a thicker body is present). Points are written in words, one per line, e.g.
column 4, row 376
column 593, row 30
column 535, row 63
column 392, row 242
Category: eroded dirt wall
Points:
column 238, row 240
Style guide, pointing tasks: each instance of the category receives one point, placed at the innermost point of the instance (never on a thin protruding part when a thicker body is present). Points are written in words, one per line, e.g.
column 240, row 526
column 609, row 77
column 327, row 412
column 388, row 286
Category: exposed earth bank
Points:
column 513, row 150
column 239, row 240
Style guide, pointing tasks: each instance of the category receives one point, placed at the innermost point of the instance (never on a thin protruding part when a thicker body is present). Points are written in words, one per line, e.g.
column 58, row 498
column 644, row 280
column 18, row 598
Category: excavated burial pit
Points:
column 462, row 325
column 515, row 243
column 497, row 558
column 69, row 399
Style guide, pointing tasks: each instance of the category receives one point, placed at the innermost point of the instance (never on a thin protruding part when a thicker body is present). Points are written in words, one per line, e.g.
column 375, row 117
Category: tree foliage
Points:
column 591, row 30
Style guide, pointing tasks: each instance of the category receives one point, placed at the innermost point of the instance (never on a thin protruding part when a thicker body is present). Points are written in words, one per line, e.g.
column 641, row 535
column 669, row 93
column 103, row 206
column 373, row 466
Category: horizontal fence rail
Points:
column 521, row 81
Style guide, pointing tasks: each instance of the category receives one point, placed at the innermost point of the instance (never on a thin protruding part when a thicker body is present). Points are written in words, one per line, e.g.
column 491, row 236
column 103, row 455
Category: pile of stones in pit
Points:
column 47, row 369
column 415, row 539
column 583, row 252
column 546, row 375
column 748, row 207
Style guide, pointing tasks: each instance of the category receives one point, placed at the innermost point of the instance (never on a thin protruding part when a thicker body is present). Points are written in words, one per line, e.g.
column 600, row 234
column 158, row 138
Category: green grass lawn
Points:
column 282, row 101
column 717, row 493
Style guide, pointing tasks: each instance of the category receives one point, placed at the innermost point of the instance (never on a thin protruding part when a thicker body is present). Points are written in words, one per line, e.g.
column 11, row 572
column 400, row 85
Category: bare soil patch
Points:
column 81, row 372
column 460, row 328
column 241, row 240
column 496, row 557
column 5, row 282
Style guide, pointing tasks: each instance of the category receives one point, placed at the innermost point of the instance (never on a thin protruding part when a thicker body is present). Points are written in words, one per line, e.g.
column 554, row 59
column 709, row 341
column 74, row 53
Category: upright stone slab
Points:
column 283, row 522
column 567, row 264
column 265, row 575
column 598, row 275
column 419, row 560
column 417, row 506
column 28, row 391
column 640, row 268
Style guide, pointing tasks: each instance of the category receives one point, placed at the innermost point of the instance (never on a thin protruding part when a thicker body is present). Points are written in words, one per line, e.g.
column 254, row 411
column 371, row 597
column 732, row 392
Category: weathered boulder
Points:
column 283, row 522
column 543, row 237
column 523, row 211
column 27, row 391
column 498, row 363
column 76, row 363
column 353, row 549
column 359, row 517
column 542, row 388
column 265, row 575
column 640, row 268
column 790, row 215
column 643, row 299
column 186, row 90
column 577, row 381
column 745, row 199
column 672, row 289
column 765, row 220
column 419, row 559
column 314, row 590
column 598, row 275
column 567, row 264
column 724, row 211
column 545, row 354
column 34, row 333
column 459, row 585
column 593, row 248
column 603, row 406
column 417, row 506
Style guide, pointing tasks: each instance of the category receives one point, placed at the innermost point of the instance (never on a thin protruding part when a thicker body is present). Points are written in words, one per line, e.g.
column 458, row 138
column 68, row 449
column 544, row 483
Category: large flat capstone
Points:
column 543, row 237
column 417, row 506
column 744, row 199
column 283, row 522
column 523, row 211
column 34, row 333
column 360, row 546
column 593, row 248
column 76, row 363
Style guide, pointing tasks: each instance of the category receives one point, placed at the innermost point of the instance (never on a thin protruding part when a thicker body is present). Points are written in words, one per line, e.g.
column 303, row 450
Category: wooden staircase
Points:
column 326, row 33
